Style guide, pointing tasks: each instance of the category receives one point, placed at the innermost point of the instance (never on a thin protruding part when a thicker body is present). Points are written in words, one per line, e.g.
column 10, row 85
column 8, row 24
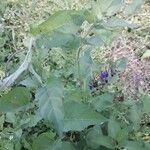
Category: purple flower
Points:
column 103, row 76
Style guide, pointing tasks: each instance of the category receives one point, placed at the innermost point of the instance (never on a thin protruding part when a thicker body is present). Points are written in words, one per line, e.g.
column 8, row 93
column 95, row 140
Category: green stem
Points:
column 78, row 54
column 78, row 63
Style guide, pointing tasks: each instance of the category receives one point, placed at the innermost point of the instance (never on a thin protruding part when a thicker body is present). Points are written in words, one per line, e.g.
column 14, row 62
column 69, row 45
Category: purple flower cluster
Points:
column 102, row 78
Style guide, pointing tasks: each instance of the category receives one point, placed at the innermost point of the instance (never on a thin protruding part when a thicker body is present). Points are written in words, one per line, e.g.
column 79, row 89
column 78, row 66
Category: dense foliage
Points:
column 59, row 97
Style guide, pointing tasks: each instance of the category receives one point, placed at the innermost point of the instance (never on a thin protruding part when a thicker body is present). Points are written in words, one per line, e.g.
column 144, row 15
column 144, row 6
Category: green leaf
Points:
column 131, row 145
column 147, row 145
column 60, row 19
column 113, row 128
column 105, row 35
column 146, row 104
column 29, row 83
column 69, row 29
column 15, row 99
column 122, row 135
column 18, row 134
column 30, row 121
column 94, row 40
column 72, row 95
column 50, row 103
column 34, row 119
column 146, row 54
column 103, row 101
column 114, row 7
column 101, row 36
column 121, row 64
column 43, row 141
column 93, row 132
column 95, row 138
column 18, row 146
column 61, row 145
column 78, row 116
column 133, row 7
column 57, row 39
column 54, row 22
column 135, row 114
column 115, row 22
column 105, row 7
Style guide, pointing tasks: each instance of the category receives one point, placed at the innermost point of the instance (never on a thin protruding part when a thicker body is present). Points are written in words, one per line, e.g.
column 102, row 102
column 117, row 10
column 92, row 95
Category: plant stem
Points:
column 78, row 54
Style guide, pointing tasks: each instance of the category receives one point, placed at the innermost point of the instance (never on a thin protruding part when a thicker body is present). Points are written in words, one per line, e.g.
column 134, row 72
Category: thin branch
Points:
column 8, row 81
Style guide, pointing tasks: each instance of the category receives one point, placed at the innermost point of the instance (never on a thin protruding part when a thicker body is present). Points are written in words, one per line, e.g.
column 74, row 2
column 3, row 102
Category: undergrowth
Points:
column 65, row 75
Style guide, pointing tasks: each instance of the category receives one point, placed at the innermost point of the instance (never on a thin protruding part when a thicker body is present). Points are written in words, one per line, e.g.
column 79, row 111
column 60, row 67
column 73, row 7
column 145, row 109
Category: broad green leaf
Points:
column 103, row 141
column 78, row 116
column 10, row 117
column 95, row 138
column 135, row 115
column 132, row 145
column 103, row 101
column 43, row 141
column 57, row 39
column 50, row 103
column 146, row 54
column 147, row 145
column 18, row 134
column 62, row 18
column 95, row 131
column 105, row 7
column 54, row 22
column 17, row 146
column 146, row 104
column 94, row 40
column 106, row 35
column 74, row 94
column 133, row 7
column 101, row 36
column 122, row 135
column 61, row 145
column 113, row 128
column 114, row 7
column 29, row 82
column 34, row 119
column 30, row 121
column 121, row 64
column 15, row 99
column 69, row 29
column 115, row 22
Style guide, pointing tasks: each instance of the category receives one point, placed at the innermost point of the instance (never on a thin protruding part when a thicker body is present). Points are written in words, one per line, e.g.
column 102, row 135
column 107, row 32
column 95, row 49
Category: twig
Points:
column 8, row 81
